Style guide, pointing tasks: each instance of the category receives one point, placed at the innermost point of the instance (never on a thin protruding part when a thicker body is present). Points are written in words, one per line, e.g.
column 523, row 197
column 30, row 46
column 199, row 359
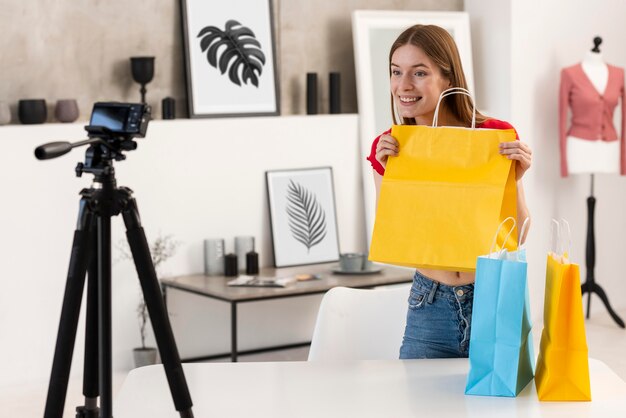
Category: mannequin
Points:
column 584, row 156
column 592, row 89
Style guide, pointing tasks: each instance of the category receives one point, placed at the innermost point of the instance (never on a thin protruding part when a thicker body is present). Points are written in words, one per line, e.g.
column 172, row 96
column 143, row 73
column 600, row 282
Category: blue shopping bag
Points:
column 501, row 355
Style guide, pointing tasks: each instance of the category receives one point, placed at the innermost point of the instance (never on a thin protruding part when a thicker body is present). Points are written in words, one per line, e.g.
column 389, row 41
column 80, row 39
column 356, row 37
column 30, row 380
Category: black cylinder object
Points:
column 252, row 263
column 32, row 111
column 168, row 106
column 334, row 93
column 311, row 93
column 230, row 265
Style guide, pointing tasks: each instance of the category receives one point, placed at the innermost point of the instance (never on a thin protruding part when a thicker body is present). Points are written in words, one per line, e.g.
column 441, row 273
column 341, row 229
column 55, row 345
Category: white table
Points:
column 381, row 389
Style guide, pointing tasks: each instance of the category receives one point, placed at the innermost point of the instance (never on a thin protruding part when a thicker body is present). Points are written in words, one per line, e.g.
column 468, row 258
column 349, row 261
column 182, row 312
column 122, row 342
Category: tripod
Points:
column 91, row 253
column 590, row 286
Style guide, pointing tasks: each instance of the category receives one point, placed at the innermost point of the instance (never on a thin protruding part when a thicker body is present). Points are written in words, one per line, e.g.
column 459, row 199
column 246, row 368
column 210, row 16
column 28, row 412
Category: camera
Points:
column 112, row 127
column 127, row 120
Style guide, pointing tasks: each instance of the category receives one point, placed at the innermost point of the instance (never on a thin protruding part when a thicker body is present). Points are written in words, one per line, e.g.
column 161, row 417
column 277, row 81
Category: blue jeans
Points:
column 438, row 320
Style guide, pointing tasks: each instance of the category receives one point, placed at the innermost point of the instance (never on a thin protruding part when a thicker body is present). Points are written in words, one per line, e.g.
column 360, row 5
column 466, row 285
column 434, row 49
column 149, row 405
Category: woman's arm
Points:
column 384, row 147
column 521, row 153
column 522, row 211
column 377, row 180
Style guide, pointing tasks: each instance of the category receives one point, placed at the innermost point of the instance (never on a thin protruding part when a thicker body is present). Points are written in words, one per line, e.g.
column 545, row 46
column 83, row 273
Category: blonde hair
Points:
column 440, row 47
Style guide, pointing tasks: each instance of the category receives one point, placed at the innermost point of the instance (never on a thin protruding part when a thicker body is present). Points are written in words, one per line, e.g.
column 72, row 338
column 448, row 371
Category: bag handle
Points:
column 523, row 231
column 555, row 235
column 495, row 238
column 449, row 92
column 567, row 233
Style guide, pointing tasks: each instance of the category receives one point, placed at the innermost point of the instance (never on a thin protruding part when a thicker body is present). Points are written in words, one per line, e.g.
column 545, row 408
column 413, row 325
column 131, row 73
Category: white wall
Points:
column 492, row 70
column 541, row 37
column 194, row 179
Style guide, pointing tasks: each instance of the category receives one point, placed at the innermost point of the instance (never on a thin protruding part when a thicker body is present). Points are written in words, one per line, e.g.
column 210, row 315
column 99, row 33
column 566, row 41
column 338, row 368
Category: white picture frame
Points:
column 302, row 216
column 222, row 80
column 374, row 31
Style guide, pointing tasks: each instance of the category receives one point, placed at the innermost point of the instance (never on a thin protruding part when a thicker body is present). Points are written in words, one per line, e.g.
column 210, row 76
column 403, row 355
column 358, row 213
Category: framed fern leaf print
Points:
column 230, row 59
column 302, row 216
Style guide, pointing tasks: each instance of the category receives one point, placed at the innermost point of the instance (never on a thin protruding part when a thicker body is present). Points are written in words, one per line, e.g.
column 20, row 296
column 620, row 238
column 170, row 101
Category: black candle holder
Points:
column 311, row 93
column 142, row 69
column 168, row 108
column 230, row 265
column 334, row 93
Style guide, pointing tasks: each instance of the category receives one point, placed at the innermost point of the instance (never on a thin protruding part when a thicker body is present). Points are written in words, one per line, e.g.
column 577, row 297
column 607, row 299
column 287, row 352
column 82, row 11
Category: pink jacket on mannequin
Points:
column 592, row 112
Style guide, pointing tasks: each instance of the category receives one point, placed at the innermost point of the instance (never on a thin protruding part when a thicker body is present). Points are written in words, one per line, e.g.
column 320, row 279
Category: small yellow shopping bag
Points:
column 443, row 196
column 562, row 366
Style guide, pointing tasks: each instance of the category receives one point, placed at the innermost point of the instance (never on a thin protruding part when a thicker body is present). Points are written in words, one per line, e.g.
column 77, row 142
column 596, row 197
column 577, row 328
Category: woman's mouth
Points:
column 409, row 100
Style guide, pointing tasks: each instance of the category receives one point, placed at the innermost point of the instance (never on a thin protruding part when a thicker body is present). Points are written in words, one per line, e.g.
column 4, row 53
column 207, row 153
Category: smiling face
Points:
column 416, row 83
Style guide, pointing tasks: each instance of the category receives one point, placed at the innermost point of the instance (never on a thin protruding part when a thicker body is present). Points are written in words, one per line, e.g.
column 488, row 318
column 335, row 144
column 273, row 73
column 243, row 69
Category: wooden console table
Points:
column 215, row 287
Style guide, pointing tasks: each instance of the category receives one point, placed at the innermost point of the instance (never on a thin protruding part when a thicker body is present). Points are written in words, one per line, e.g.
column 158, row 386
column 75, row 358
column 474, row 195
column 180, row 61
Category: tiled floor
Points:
column 606, row 341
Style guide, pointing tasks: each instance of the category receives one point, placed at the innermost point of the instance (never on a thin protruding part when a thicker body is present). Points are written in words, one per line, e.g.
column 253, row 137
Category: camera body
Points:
column 126, row 120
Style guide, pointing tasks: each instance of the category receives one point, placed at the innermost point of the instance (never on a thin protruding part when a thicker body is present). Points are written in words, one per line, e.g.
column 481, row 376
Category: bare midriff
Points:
column 449, row 278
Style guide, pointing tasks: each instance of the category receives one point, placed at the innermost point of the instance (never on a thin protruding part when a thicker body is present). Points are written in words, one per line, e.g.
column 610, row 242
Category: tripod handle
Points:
column 56, row 149
column 52, row 150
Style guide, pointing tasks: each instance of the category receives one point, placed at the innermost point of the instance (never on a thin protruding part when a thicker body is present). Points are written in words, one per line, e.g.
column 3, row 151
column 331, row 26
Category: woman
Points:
column 424, row 61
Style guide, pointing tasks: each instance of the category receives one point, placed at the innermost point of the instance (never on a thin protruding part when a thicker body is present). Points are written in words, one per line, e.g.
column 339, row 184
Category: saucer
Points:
column 372, row 270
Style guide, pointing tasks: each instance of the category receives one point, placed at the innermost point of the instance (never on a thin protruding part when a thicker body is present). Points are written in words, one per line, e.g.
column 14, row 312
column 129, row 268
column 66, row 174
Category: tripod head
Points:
column 111, row 131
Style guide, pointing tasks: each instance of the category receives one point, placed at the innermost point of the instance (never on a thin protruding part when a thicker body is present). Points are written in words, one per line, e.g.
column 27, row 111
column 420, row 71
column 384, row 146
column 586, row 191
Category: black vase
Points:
column 32, row 111
column 142, row 69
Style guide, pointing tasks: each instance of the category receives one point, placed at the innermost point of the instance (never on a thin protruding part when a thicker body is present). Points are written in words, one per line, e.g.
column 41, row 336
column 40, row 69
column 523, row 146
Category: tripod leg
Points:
column 156, row 308
column 66, row 336
column 90, row 373
column 104, row 316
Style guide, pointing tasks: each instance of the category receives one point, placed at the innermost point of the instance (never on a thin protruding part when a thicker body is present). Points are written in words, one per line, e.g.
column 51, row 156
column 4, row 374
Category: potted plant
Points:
column 161, row 250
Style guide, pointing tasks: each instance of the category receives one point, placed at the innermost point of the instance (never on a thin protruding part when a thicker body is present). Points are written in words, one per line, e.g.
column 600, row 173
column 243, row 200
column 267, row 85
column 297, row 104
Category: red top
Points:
column 592, row 112
column 488, row 124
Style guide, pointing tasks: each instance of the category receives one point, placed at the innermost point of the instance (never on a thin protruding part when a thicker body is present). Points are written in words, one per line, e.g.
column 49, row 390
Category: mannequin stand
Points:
column 590, row 286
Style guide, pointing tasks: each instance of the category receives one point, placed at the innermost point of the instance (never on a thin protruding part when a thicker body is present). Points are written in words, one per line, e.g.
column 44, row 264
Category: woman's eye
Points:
column 395, row 72
column 420, row 73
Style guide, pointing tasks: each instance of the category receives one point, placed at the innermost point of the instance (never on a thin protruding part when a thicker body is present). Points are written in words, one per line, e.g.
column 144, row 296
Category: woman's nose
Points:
column 405, row 82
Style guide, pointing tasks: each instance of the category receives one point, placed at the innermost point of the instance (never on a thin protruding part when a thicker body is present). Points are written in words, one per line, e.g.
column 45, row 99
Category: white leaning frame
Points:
column 303, row 217
column 373, row 34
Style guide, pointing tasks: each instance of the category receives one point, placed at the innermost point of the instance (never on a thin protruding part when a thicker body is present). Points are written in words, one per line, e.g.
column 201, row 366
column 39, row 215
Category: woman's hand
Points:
column 387, row 146
column 519, row 151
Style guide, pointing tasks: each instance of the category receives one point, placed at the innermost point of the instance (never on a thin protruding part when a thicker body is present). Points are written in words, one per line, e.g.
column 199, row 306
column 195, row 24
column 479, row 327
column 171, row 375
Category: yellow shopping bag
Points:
column 562, row 366
column 443, row 196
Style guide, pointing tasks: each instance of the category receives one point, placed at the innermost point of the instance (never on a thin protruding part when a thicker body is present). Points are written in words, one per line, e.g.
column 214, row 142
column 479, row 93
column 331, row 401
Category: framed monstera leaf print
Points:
column 302, row 216
column 230, row 59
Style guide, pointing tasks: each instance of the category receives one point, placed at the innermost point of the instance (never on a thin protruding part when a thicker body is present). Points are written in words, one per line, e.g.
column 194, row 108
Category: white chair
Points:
column 360, row 324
